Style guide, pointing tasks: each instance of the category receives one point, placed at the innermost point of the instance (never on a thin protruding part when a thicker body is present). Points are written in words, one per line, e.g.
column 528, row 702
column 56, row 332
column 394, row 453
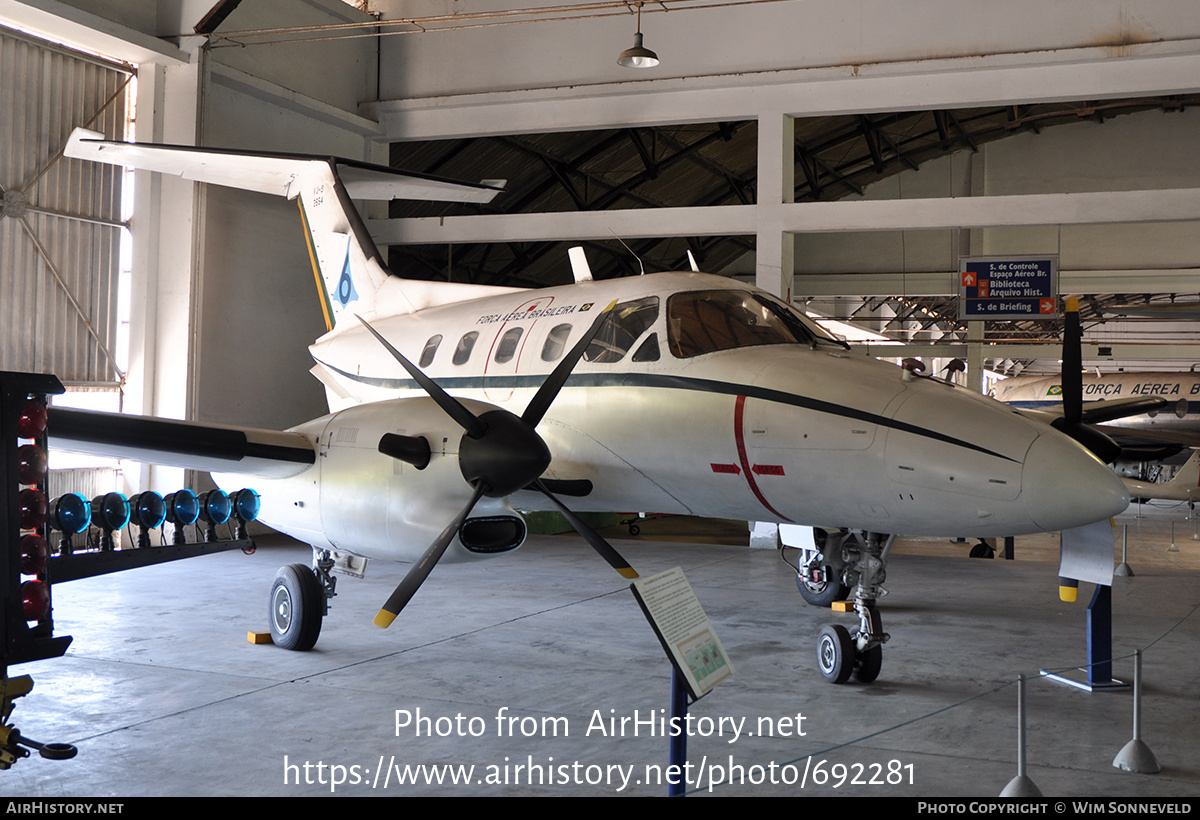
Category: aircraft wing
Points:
column 213, row 447
column 1098, row 412
column 1135, row 434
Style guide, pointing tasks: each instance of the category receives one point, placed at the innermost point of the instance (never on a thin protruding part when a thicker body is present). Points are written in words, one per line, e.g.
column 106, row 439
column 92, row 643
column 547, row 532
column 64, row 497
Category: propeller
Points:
column 1071, row 421
column 499, row 454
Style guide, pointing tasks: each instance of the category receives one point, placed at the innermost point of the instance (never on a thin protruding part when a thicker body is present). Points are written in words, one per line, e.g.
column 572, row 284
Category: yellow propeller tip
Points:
column 384, row 619
column 628, row 572
column 1072, row 304
column 611, row 305
column 1068, row 594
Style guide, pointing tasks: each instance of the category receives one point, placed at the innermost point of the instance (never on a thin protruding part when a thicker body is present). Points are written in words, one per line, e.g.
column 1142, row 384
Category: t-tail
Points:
column 349, row 269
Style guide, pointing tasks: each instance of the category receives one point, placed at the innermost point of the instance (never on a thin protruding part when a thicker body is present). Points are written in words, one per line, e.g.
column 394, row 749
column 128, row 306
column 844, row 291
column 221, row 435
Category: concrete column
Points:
column 776, row 250
column 775, row 255
column 164, row 261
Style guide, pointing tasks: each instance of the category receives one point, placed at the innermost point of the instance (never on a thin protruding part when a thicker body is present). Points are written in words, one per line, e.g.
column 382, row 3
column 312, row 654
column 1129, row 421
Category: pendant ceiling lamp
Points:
column 639, row 56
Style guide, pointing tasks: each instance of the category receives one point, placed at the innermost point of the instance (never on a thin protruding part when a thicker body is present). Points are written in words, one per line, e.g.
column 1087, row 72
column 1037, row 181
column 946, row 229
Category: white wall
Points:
column 1144, row 151
column 751, row 38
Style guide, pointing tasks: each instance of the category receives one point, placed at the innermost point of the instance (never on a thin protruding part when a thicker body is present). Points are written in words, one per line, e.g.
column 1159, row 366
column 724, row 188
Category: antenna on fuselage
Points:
column 631, row 253
column 692, row 261
column 579, row 264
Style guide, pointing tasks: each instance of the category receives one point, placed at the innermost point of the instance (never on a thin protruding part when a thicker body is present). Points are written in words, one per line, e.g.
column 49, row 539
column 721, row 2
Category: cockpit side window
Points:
column 465, row 345
column 648, row 352
column 430, row 350
column 625, row 324
column 700, row 322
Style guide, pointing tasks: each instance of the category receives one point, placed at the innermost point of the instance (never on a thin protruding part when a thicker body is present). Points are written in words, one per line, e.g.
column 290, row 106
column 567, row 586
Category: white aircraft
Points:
column 691, row 394
column 1183, row 486
column 1170, row 416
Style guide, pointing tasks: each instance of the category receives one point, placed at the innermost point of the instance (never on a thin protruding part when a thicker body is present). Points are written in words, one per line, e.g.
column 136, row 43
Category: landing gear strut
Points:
column 861, row 559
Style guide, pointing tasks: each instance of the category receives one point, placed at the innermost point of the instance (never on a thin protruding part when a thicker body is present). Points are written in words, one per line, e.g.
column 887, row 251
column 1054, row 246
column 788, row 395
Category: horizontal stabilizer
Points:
column 1185, row 486
column 212, row 447
column 271, row 173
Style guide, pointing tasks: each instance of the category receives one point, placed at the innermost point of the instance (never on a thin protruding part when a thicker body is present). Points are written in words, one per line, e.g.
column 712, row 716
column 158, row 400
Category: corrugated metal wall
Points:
column 59, row 240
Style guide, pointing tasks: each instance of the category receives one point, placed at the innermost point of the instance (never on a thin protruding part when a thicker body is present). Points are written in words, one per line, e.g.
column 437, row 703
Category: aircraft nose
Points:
column 1066, row 486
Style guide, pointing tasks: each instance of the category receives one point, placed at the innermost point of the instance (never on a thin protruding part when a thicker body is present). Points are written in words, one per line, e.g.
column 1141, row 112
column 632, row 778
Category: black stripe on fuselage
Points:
column 663, row 380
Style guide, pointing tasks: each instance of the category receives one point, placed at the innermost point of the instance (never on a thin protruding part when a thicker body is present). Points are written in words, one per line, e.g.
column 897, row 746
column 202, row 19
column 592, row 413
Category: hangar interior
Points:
column 845, row 156
column 840, row 154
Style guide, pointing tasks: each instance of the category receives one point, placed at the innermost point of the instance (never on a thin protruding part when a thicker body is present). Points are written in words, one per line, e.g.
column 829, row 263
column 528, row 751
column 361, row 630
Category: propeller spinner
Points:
column 500, row 453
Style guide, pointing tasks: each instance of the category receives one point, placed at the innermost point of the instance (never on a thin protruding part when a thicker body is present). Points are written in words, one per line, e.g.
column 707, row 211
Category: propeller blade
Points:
column 1072, row 364
column 593, row 538
column 464, row 417
column 420, row 571
column 554, row 382
column 1071, row 421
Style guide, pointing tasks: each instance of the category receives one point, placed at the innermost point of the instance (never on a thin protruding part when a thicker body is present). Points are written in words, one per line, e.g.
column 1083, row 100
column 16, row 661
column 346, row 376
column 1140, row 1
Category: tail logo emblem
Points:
column 345, row 288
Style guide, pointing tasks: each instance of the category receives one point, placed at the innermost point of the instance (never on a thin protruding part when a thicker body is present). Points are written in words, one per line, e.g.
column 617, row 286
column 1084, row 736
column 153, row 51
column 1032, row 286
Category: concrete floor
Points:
column 163, row 695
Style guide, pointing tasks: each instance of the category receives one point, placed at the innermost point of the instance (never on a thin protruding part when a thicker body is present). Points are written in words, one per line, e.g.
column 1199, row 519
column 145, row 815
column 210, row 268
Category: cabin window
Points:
column 623, row 326
column 430, row 349
column 710, row 320
column 556, row 343
column 465, row 345
column 508, row 345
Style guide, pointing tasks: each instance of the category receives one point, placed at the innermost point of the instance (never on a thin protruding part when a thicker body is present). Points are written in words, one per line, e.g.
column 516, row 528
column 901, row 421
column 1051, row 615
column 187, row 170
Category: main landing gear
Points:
column 849, row 559
column 299, row 602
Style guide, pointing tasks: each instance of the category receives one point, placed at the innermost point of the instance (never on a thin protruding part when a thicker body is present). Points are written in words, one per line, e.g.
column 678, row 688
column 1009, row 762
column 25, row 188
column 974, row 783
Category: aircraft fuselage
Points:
column 680, row 409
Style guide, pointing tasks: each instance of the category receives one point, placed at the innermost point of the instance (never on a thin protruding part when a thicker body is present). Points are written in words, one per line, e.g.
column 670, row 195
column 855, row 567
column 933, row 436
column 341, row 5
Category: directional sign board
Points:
column 1007, row 287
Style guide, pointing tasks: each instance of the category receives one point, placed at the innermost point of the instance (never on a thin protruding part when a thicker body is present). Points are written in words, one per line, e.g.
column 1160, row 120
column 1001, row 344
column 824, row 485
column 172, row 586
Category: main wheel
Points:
column 297, row 608
column 835, row 653
column 982, row 550
column 821, row 593
column 868, row 665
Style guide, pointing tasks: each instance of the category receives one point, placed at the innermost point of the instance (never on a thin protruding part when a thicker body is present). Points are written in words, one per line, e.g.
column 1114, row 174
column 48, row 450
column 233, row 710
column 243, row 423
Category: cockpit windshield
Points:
column 706, row 321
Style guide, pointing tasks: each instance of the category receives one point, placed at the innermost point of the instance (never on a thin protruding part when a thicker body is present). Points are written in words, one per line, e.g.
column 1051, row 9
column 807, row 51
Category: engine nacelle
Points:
column 358, row 500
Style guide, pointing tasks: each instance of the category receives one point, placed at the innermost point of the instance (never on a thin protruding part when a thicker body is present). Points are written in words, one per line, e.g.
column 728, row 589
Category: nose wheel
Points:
column 841, row 654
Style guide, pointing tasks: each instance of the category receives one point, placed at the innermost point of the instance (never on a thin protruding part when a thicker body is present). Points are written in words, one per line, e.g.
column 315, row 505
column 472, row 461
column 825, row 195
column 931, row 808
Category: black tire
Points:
column 835, row 653
column 296, row 608
column 821, row 594
column 982, row 550
column 634, row 529
column 868, row 665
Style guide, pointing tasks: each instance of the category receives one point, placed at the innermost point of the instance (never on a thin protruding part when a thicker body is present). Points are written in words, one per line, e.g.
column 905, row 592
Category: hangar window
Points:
column 556, row 343
column 508, row 345
column 430, row 349
column 625, row 324
column 707, row 321
column 465, row 345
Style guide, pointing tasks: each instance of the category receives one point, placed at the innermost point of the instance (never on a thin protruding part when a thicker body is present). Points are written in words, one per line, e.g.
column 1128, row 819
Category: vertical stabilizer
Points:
column 346, row 263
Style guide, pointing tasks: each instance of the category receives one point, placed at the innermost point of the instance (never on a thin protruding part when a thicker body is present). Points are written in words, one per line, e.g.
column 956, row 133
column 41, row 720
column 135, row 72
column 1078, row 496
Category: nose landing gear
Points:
column 863, row 560
column 841, row 654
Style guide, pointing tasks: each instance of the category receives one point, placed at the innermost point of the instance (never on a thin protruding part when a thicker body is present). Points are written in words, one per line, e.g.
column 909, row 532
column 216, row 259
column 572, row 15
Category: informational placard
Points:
column 684, row 630
column 1007, row 287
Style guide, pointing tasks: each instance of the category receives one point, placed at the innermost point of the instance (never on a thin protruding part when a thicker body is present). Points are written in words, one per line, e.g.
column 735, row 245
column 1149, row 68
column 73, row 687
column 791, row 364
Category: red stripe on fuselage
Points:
column 739, row 411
